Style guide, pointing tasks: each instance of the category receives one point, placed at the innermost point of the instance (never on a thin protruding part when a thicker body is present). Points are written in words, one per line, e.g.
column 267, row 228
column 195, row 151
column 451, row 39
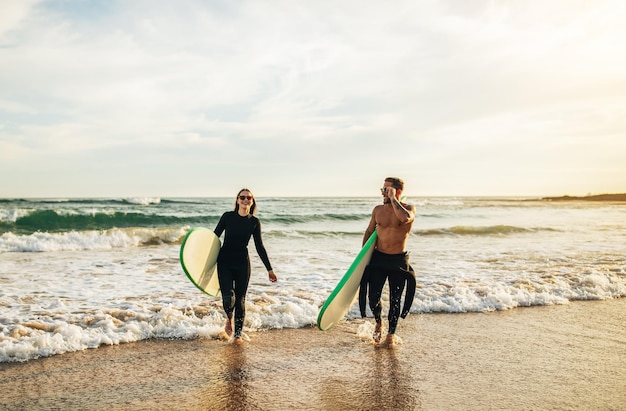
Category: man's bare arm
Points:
column 406, row 214
column 370, row 228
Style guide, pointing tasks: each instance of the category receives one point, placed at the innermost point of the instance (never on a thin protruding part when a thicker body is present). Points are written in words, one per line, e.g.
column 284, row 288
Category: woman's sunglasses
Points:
column 245, row 198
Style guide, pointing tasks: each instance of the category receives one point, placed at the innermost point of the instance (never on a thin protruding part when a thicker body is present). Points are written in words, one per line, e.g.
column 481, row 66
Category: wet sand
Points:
column 570, row 357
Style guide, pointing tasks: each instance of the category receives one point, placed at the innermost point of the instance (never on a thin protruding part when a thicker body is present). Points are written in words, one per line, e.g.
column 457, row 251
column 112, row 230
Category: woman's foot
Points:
column 237, row 338
column 228, row 329
column 377, row 332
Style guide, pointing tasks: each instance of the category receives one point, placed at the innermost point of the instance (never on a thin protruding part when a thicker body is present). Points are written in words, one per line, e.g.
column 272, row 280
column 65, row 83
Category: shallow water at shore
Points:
column 88, row 273
column 560, row 357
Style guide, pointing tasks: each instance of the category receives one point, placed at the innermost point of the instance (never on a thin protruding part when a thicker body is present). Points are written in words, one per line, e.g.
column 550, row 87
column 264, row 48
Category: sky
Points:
column 190, row 98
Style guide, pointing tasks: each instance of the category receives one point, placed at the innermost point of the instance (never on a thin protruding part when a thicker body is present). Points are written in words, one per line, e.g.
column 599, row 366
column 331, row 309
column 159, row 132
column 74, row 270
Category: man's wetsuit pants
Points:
column 396, row 268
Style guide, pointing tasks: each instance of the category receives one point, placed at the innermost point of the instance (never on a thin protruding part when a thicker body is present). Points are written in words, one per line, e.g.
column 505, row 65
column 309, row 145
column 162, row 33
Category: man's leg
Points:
column 377, row 282
column 396, row 287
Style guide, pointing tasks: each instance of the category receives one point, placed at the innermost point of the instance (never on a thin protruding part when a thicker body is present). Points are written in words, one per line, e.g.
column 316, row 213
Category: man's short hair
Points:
column 396, row 182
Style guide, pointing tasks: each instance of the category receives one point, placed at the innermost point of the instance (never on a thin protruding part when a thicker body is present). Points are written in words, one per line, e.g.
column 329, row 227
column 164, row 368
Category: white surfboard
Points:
column 341, row 299
column 198, row 256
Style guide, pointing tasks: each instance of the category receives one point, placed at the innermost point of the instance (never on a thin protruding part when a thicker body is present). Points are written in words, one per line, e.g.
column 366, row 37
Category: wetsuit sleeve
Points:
column 221, row 225
column 260, row 248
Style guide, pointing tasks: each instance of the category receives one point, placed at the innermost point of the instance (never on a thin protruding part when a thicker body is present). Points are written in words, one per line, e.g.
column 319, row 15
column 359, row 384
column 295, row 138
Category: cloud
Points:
column 13, row 12
column 448, row 90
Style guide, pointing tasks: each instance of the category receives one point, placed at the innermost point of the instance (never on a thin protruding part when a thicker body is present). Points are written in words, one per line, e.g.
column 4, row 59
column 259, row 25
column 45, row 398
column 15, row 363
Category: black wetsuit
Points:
column 233, row 262
column 396, row 267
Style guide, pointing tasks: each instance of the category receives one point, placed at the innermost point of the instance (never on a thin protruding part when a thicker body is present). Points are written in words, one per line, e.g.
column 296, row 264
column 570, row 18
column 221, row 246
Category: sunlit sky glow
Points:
column 200, row 98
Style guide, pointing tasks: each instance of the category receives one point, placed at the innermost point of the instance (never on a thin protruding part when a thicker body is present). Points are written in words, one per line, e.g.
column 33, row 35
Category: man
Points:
column 393, row 221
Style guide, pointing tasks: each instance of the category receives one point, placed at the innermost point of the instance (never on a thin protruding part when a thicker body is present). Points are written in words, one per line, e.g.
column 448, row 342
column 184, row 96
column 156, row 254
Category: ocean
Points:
column 85, row 273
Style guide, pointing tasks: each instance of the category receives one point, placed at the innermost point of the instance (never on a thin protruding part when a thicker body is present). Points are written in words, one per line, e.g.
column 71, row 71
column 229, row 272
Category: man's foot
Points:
column 229, row 327
column 237, row 338
column 377, row 332
column 390, row 342
column 237, row 341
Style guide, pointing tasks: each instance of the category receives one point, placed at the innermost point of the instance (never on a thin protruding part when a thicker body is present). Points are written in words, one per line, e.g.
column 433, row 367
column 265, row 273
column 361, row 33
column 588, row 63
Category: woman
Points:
column 233, row 263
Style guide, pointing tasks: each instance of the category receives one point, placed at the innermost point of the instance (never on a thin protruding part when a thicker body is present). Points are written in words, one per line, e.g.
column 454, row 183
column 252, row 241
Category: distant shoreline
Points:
column 599, row 197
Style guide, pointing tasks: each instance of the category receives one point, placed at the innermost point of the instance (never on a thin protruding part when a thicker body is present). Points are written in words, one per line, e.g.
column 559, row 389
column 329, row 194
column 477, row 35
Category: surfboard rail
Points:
column 198, row 257
column 342, row 297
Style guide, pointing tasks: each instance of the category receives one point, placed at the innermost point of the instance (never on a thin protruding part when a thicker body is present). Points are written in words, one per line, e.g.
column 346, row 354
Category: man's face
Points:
column 387, row 192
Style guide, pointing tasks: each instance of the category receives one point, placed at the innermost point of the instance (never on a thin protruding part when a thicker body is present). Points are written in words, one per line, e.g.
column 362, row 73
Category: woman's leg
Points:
column 226, row 279
column 242, row 279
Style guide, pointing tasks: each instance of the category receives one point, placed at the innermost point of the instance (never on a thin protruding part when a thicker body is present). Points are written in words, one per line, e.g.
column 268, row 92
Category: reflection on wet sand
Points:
column 236, row 376
column 379, row 381
column 228, row 388
column 390, row 385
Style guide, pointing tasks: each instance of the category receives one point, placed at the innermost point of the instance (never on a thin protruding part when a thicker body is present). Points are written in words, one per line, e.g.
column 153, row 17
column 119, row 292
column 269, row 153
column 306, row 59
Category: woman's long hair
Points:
column 252, row 206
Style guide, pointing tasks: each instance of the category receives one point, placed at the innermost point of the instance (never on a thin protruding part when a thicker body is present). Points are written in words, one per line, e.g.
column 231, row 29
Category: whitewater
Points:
column 83, row 273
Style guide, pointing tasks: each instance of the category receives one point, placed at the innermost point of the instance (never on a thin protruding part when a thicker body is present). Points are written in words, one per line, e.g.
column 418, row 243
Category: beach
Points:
column 519, row 305
column 559, row 357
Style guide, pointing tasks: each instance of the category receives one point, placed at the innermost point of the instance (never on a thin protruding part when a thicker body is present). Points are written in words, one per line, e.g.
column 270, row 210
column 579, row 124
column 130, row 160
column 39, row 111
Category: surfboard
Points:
column 198, row 257
column 341, row 299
